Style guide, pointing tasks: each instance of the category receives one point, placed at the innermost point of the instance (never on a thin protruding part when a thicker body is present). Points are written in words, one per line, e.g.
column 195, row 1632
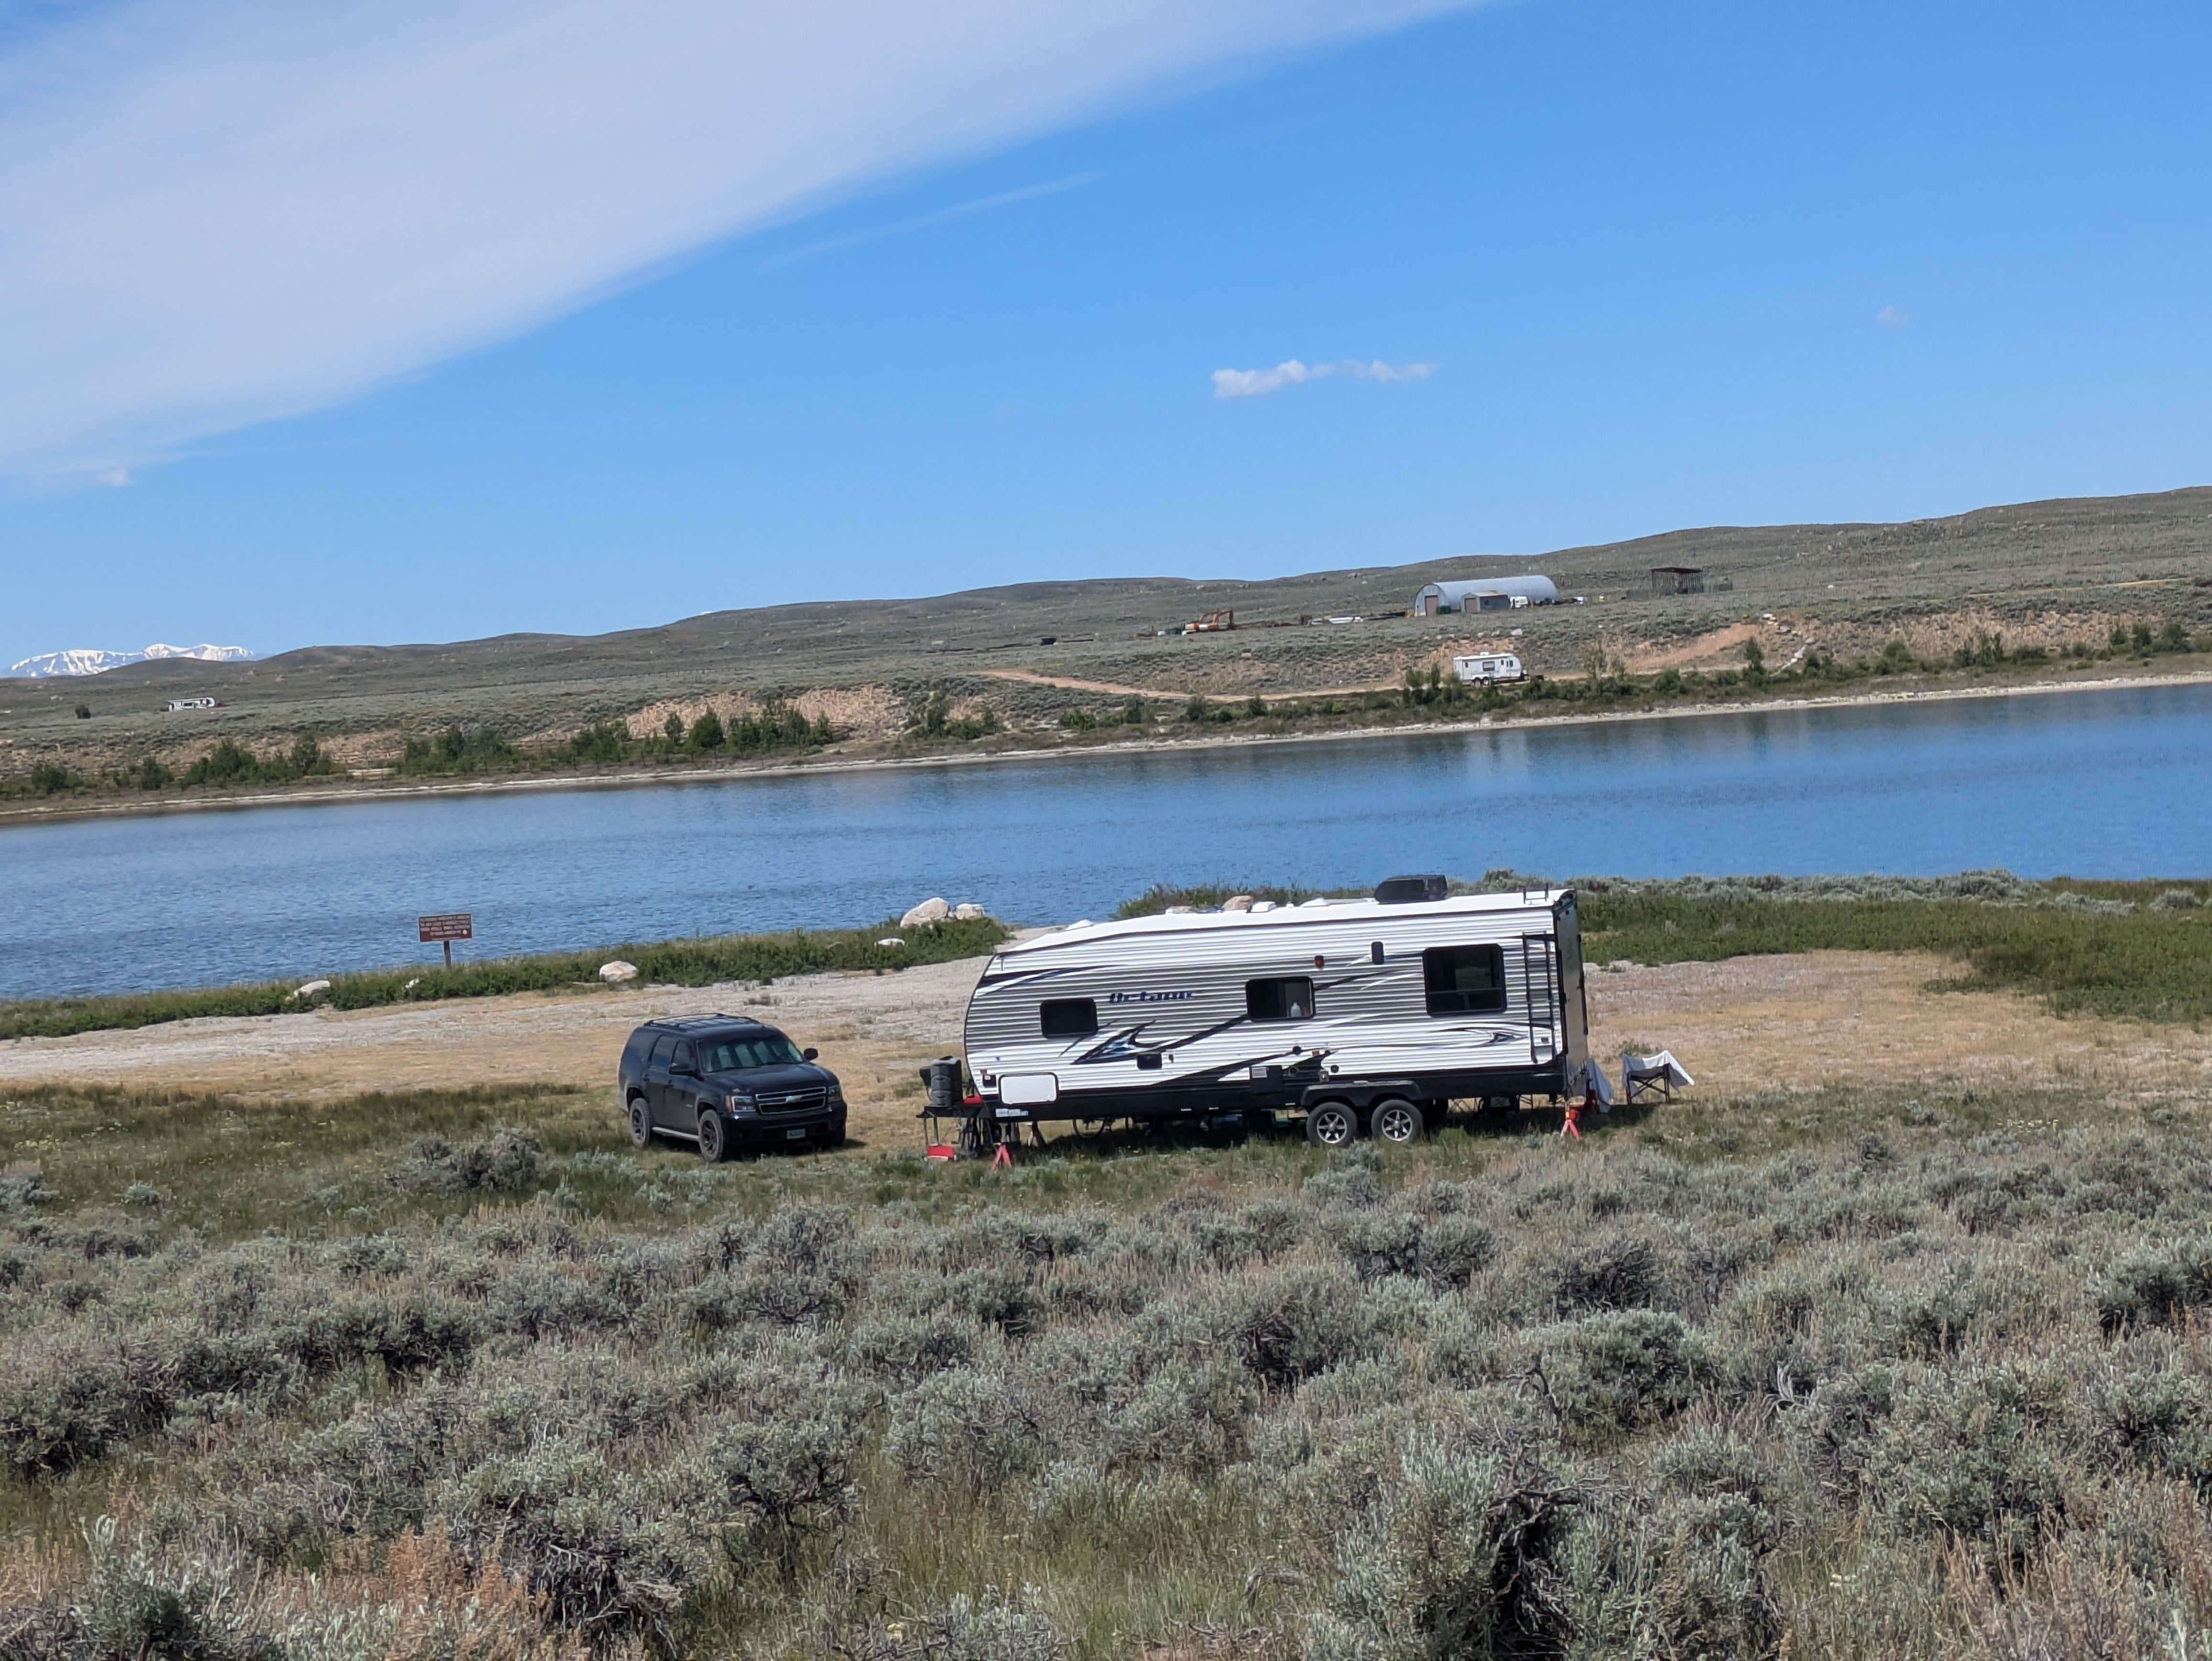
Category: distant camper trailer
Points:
column 1480, row 668
column 174, row 704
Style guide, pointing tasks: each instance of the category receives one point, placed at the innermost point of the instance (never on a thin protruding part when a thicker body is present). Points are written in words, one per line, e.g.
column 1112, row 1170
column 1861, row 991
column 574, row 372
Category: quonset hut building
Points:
column 1484, row 594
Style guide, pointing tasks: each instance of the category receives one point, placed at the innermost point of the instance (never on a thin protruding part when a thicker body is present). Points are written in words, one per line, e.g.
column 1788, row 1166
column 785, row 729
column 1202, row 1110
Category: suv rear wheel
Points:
column 640, row 1123
column 714, row 1139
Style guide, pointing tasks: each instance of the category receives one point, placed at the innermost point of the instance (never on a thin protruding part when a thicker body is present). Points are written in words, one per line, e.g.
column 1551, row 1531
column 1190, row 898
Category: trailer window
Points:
column 1464, row 980
column 1069, row 1018
column 1289, row 998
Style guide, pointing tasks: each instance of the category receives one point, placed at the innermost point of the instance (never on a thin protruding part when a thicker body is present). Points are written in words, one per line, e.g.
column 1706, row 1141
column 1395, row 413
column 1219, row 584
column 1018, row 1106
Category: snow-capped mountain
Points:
column 85, row 660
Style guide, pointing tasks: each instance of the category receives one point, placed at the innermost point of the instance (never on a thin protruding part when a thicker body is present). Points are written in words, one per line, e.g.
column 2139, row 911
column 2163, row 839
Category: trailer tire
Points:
column 1397, row 1121
column 1332, row 1124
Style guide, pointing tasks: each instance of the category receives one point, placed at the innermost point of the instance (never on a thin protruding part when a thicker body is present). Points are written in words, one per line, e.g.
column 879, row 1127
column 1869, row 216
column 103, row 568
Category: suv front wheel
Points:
column 714, row 1138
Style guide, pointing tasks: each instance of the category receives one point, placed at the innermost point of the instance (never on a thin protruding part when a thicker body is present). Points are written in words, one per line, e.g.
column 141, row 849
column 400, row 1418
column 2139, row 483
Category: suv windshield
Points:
column 735, row 1054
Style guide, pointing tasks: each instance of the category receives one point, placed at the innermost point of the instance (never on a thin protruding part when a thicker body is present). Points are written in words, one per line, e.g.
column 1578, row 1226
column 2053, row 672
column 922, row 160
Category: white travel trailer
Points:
column 1480, row 668
column 1364, row 1015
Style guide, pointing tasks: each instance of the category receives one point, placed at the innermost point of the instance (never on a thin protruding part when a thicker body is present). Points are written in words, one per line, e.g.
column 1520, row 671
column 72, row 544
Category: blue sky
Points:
column 1664, row 265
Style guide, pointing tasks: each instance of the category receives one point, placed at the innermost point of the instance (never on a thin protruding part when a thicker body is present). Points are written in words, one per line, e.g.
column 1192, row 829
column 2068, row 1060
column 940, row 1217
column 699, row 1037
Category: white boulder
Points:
column 930, row 911
column 968, row 912
column 617, row 971
column 311, row 990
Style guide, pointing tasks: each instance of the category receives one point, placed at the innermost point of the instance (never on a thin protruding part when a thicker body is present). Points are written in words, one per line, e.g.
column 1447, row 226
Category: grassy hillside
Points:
column 2048, row 576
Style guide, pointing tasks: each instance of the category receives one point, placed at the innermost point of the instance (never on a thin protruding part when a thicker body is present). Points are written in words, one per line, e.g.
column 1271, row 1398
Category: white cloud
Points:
column 1258, row 383
column 1892, row 317
column 213, row 212
column 1379, row 370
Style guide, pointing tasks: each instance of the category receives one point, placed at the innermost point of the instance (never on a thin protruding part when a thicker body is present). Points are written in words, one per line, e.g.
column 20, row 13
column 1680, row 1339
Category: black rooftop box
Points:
column 1407, row 891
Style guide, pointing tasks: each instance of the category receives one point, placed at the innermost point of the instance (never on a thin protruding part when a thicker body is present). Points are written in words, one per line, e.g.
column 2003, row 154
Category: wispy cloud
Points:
column 1892, row 317
column 1073, row 181
column 1259, row 383
column 216, row 211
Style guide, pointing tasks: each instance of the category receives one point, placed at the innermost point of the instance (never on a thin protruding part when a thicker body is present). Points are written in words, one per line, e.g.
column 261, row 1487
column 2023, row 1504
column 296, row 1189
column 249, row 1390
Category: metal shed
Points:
column 1484, row 594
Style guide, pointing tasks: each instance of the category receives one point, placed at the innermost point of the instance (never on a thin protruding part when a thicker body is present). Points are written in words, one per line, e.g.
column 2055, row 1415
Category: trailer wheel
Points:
column 1332, row 1124
column 1396, row 1121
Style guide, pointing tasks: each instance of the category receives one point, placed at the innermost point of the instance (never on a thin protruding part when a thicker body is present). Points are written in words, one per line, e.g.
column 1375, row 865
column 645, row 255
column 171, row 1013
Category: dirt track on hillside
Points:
column 1741, row 1025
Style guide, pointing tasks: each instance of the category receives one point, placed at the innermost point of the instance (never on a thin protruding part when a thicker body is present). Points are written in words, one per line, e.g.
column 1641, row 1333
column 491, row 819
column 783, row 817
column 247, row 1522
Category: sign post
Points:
column 444, row 928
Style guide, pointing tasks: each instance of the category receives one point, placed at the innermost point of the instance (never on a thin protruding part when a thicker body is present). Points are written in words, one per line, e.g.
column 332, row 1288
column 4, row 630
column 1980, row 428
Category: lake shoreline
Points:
column 365, row 790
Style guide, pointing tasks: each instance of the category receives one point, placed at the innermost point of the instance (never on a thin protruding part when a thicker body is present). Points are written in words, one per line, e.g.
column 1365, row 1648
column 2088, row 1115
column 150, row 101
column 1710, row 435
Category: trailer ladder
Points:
column 1535, row 959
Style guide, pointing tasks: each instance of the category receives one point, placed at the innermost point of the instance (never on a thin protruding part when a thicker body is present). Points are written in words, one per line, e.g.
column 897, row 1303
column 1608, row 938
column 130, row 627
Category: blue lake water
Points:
column 2104, row 783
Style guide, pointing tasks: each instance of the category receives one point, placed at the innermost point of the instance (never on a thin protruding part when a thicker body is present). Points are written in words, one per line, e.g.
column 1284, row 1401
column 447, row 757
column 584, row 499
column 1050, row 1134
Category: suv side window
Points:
column 635, row 1052
column 684, row 1060
column 663, row 1048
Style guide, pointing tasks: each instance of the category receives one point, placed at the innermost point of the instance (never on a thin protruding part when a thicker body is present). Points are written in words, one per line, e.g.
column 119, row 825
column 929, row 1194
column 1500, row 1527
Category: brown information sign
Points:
column 445, row 925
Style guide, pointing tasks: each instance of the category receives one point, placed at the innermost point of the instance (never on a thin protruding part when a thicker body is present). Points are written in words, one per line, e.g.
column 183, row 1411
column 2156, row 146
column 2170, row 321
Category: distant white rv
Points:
column 175, row 705
column 1480, row 668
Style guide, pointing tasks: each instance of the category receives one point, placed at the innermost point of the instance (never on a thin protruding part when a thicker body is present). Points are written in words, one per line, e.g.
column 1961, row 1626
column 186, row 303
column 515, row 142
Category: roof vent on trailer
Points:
column 1407, row 891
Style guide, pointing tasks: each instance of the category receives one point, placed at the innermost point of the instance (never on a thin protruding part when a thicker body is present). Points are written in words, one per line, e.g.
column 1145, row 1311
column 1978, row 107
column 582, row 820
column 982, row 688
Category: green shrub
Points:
column 503, row 1162
column 459, row 750
column 1456, row 1557
column 1623, row 1369
column 2158, row 1285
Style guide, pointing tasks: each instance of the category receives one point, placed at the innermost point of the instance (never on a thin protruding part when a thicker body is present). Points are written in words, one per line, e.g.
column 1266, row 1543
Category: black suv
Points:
column 725, row 1082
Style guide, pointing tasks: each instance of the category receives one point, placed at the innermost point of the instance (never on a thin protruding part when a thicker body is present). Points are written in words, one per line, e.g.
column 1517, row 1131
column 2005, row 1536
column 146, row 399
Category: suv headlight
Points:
column 740, row 1104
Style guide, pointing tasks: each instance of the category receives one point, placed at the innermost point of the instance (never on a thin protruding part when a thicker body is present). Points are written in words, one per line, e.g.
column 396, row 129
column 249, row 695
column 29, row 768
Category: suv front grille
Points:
column 791, row 1101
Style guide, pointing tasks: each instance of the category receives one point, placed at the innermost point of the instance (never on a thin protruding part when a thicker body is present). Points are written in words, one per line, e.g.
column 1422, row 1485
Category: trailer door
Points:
column 1574, row 998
